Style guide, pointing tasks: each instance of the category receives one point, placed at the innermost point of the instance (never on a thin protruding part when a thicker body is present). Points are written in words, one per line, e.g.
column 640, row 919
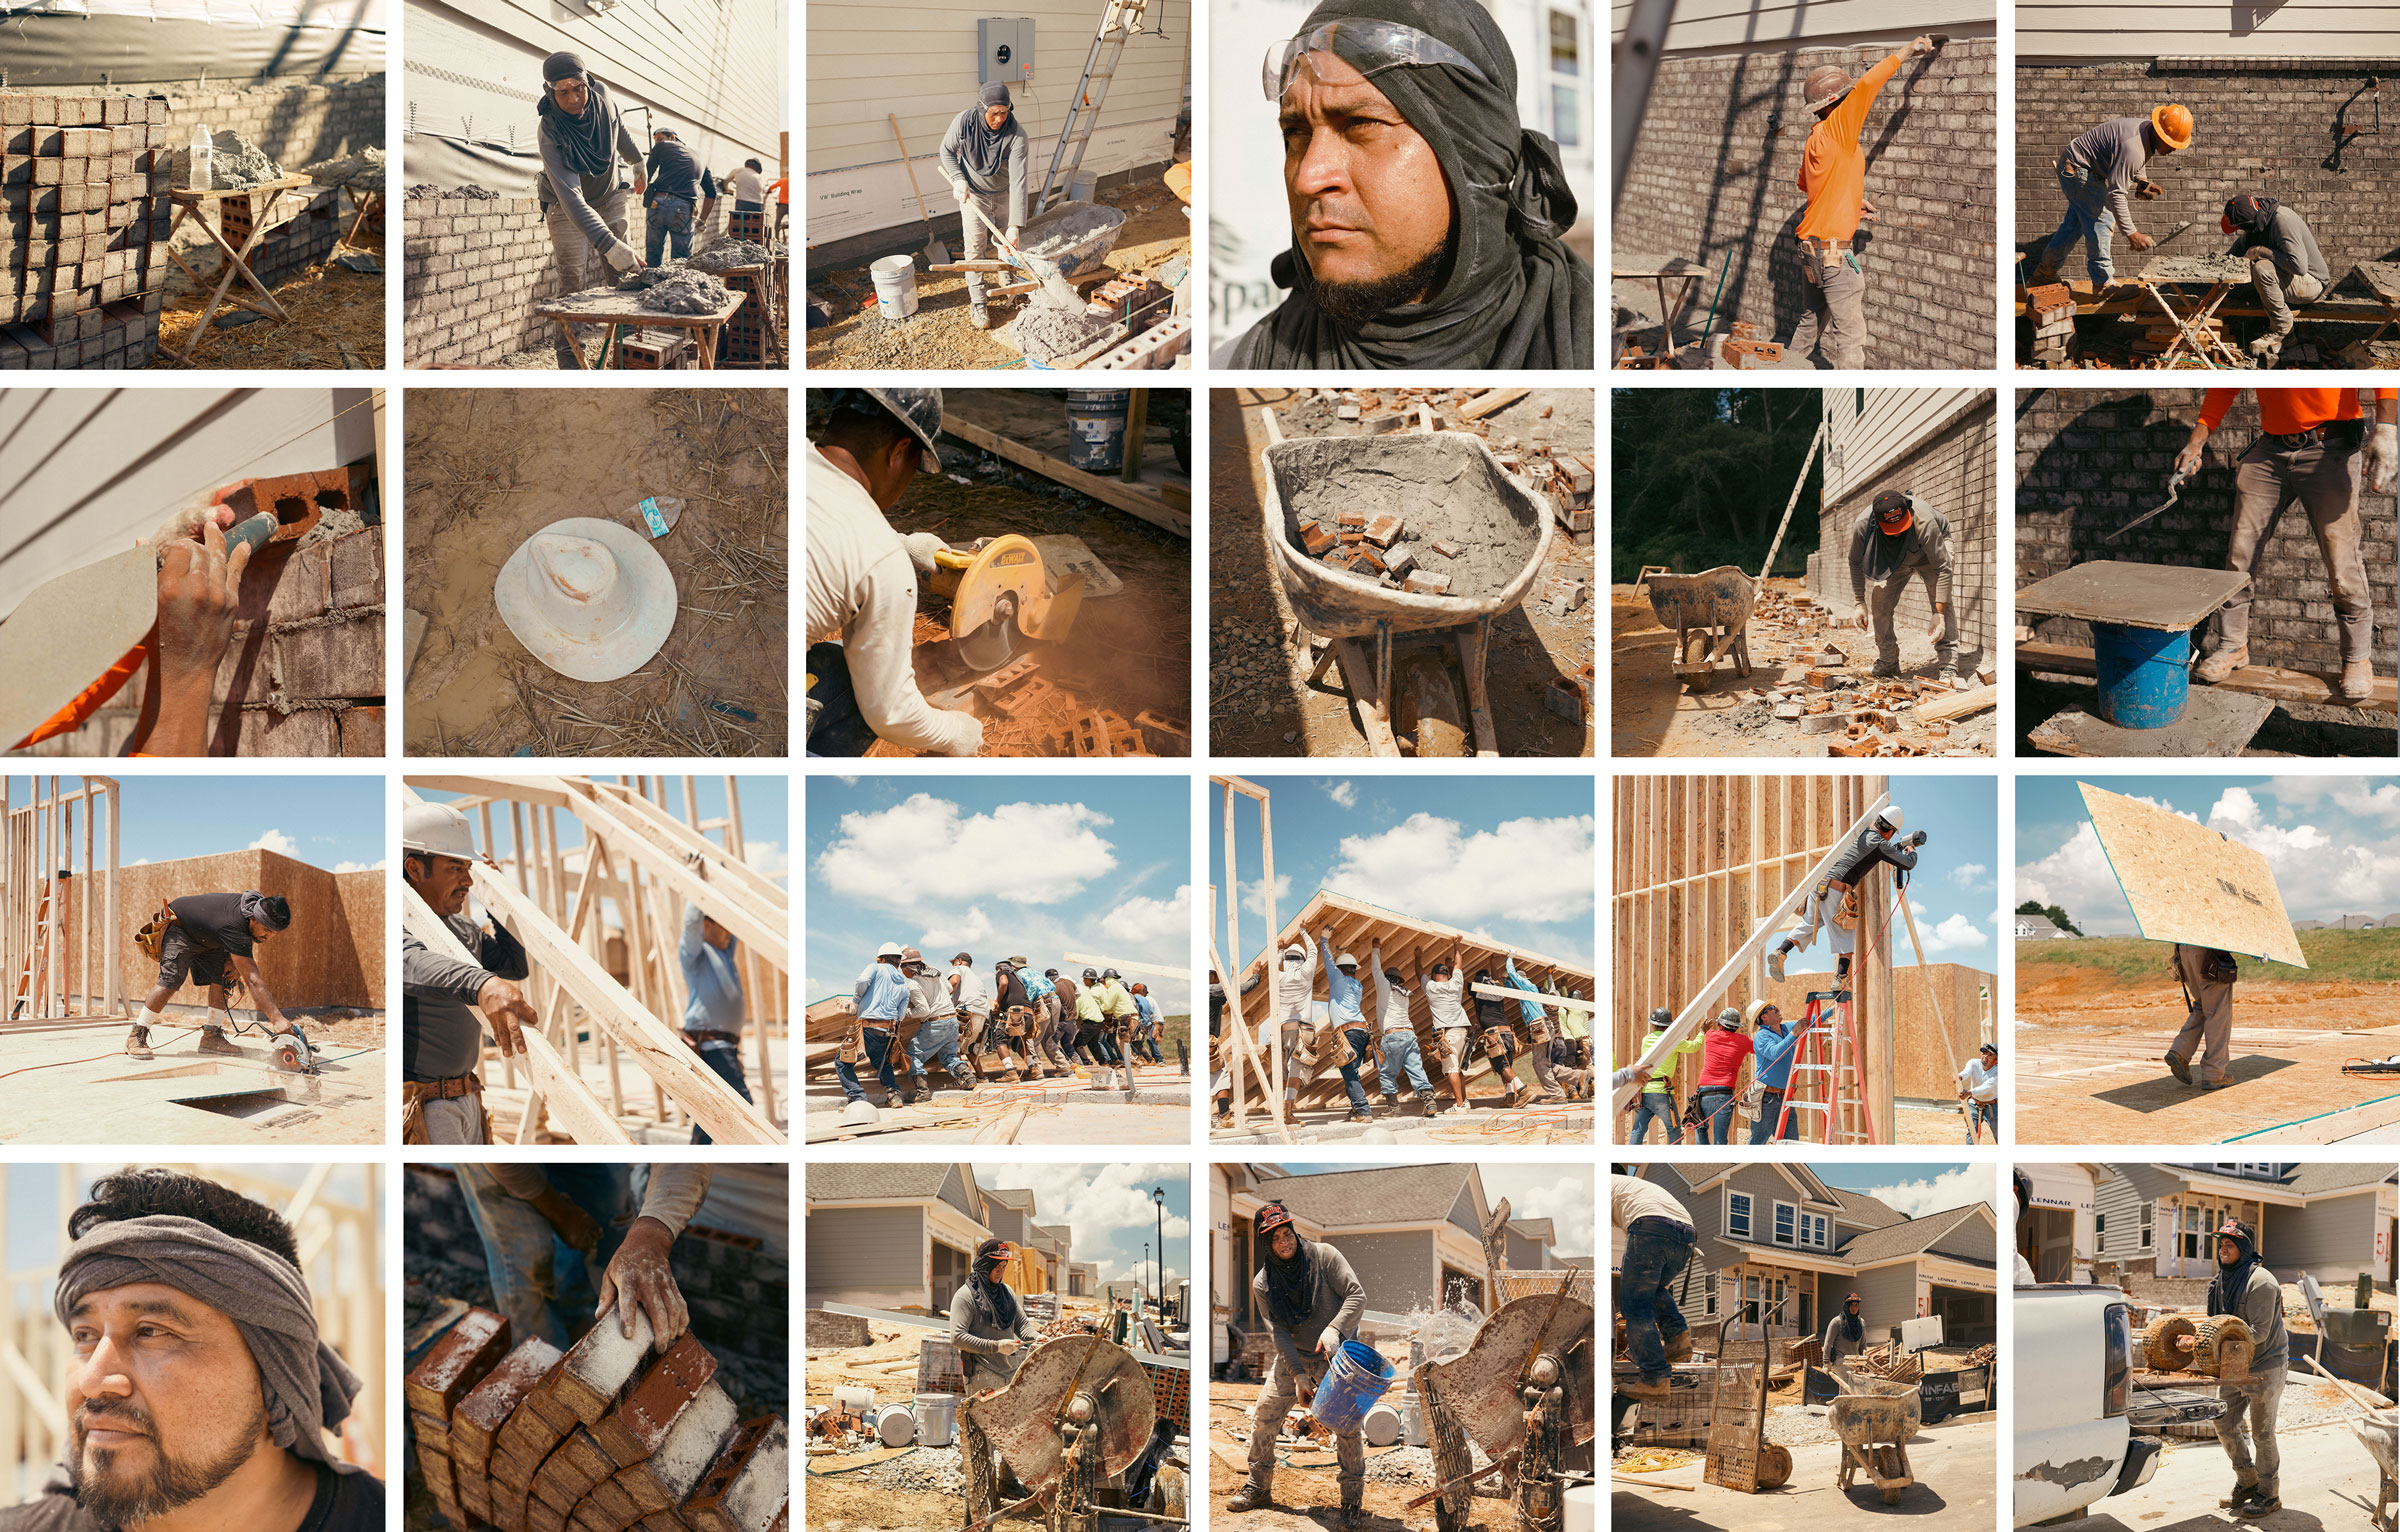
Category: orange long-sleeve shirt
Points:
column 2286, row 411
column 1833, row 170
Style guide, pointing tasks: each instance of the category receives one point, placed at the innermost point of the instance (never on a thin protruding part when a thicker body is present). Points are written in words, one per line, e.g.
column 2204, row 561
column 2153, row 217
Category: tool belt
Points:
column 1303, row 1045
column 1826, row 249
column 1844, row 913
column 415, row 1093
column 2341, row 435
column 1496, row 1044
column 152, row 937
column 698, row 1035
column 1019, row 1017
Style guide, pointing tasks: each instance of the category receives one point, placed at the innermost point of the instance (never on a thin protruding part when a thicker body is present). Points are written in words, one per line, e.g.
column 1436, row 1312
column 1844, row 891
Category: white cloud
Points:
column 139, row 861
column 769, row 859
column 1971, row 875
column 1956, row 934
column 928, row 851
column 275, row 841
column 1344, row 792
column 1144, row 925
column 1562, row 1194
column 1254, row 897
column 1536, row 870
column 1103, row 1205
column 1951, row 1189
column 375, row 866
column 959, row 932
column 2077, row 878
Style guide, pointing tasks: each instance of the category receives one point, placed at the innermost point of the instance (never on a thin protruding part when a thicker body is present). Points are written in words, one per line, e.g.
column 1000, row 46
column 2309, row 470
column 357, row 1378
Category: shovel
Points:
column 935, row 252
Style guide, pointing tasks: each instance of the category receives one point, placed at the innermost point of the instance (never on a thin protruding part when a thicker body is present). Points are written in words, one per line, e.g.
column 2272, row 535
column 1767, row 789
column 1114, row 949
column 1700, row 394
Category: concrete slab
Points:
column 1488, row 1127
column 77, row 1086
column 2216, row 723
column 1062, row 1112
column 1954, row 1466
column 2168, row 597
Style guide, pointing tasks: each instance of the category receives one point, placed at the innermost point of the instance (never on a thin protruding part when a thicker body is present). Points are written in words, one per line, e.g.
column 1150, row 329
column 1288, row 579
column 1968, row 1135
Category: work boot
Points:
column 979, row 316
column 1775, row 961
column 214, row 1041
column 2267, row 349
column 1391, row 1103
column 1646, row 1388
column 1354, row 1515
column 1885, row 669
column 1009, row 1076
column 2358, row 679
column 2042, row 275
column 1947, row 676
column 965, row 1082
column 1251, row 1497
column 1361, row 1114
column 2221, row 663
column 908, row 1095
column 1680, row 1348
column 1425, row 1106
column 2180, row 1065
column 137, row 1043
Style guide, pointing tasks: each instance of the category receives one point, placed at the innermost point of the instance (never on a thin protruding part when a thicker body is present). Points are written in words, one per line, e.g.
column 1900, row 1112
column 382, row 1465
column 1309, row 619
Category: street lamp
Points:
column 1158, row 1199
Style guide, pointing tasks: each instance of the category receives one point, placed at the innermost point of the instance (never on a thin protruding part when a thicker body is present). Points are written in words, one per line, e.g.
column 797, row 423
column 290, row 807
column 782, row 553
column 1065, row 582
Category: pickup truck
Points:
column 2084, row 1429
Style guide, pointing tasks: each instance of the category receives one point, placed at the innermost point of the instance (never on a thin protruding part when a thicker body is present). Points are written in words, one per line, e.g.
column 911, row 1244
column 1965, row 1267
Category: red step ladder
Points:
column 38, row 959
column 1828, row 1075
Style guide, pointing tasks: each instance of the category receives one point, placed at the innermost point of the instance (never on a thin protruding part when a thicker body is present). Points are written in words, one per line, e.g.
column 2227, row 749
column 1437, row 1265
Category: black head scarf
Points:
column 1292, row 1284
column 2226, row 1289
column 1509, row 292
column 1853, row 1328
column 587, row 143
column 2251, row 215
column 996, row 1294
column 981, row 148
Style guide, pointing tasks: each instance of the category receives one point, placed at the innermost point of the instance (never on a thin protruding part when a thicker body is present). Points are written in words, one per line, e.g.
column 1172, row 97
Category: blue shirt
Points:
column 1771, row 1050
column 1528, row 1011
column 1348, row 997
column 881, row 994
column 1035, row 984
column 710, row 977
column 1149, row 1012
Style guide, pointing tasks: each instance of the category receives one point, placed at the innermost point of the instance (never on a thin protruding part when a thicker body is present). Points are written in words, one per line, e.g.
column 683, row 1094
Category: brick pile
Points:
column 1956, row 473
column 605, row 1437
column 1711, row 176
column 83, row 212
column 753, row 336
column 304, row 235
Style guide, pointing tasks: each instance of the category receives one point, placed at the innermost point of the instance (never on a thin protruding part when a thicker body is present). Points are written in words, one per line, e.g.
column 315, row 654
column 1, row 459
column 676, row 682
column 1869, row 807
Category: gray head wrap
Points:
column 271, row 910
column 307, row 1387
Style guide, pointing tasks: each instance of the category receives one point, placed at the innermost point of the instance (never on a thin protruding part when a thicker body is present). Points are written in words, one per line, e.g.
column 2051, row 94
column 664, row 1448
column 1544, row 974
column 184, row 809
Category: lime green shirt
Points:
column 1656, row 1085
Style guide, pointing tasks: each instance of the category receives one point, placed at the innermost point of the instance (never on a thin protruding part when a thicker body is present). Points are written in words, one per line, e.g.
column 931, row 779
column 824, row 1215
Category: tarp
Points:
column 2188, row 883
column 127, row 44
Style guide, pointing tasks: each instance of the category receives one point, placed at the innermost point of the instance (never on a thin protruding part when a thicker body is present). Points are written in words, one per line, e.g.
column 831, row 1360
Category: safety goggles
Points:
column 1370, row 47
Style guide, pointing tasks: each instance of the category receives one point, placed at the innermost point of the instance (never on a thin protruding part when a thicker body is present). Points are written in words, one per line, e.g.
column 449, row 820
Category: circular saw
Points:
column 1002, row 596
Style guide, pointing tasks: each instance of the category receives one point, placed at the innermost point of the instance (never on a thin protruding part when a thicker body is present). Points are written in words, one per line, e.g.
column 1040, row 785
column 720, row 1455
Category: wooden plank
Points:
column 1485, row 404
column 2168, row 597
column 1156, row 970
column 1958, row 705
column 2189, row 883
column 768, row 897
column 769, row 936
column 1511, row 992
column 1131, row 500
column 546, row 790
column 1239, row 785
column 2258, row 680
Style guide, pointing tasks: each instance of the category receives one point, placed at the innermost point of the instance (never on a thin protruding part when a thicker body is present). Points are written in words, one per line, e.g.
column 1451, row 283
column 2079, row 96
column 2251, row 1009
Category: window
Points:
column 1785, row 1213
column 1801, row 1230
column 2264, row 1168
column 2100, row 1227
column 1708, row 1295
column 1566, row 54
column 2149, row 1235
column 1815, row 1231
column 1566, row 115
column 1737, row 1215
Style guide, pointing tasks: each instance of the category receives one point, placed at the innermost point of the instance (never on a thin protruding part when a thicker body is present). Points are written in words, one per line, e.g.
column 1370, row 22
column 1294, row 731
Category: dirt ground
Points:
column 1652, row 713
column 337, row 318
column 488, row 468
column 1308, row 1495
column 1261, row 701
column 1128, row 653
column 1158, row 227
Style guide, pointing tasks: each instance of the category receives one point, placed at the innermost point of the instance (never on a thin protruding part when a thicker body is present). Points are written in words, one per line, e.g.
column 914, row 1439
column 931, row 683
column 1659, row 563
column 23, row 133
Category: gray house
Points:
column 1780, row 1249
column 2331, row 1221
column 893, row 1236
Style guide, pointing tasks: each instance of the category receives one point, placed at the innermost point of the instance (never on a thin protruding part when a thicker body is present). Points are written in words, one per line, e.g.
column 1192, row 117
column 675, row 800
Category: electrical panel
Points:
column 1007, row 47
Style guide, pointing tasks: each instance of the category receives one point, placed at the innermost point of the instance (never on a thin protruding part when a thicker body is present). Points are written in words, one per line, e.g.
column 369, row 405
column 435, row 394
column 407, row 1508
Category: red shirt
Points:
column 1721, row 1058
column 2288, row 411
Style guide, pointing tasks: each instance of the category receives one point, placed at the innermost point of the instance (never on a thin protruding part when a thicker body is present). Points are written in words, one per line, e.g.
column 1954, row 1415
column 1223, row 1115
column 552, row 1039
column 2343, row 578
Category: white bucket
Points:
column 937, row 1419
column 1583, row 1508
column 895, row 286
column 1080, row 188
column 1412, row 1422
column 895, row 1426
column 853, row 1400
column 1382, row 1426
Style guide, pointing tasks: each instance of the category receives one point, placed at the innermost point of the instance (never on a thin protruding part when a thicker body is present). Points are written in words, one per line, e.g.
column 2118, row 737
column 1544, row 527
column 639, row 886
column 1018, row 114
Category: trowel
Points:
column 2174, row 491
column 1000, row 596
column 656, row 515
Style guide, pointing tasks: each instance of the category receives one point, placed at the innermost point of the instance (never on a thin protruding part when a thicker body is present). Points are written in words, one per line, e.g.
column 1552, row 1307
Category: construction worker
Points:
column 1846, row 1333
column 989, row 1323
column 2312, row 446
column 1834, row 902
column 1116, row 1003
column 1145, row 1029
column 2244, row 1288
column 2095, row 173
column 1017, row 1024
column 716, row 1012
column 1397, row 1050
column 1772, row 1045
column 1721, row 1055
column 1833, row 174
column 2286, row 266
column 935, row 1041
column 1091, row 1025
column 2207, row 975
column 977, row 1030
column 212, row 939
column 2024, row 1187
column 1345, row 998
column 879, row 999
column 1540, row 1027
column 1657, row 1101
column 1896, row 540
column 984, row 157
column 582, row 139
column 1979, row 1087
column 1498, row 1038
column 1312, row 1301
column 1445, row 996
column 677, row 184
column 568, row 1245
column 1070, row 1012
column 1657, row 1238
column 441, row 1099
column 1295, row 999
column 866, row 446
column 1050, row 1034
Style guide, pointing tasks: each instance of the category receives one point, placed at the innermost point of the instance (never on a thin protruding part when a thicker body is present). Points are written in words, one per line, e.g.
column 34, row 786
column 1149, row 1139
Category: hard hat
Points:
column 1893, row 513
column 1346, row 960
column 860, row 1114
column 1660, row 1016
column 1827, row 84
column 1891, row 817
column 2173, row 124
column 1110, row 973
column 1757, row 1009
column 890, row 949
column 1049, row 973
column 436, row 829
column 591, row 599
column 1729, row 1017
column 1090, row 976
column 919, row 409
column 1140, row 988
column 911, row 955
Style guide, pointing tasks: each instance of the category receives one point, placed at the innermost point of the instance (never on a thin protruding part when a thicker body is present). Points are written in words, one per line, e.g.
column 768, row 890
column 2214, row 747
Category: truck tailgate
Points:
column 2152, row 1408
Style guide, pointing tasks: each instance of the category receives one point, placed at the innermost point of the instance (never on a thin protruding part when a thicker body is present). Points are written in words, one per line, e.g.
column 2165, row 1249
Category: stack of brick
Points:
column 305, row 234
column 753, row 336
column 2051, row 309
column 473, row 268
column 607, row 1437
column 751, row 225
column 83, row 212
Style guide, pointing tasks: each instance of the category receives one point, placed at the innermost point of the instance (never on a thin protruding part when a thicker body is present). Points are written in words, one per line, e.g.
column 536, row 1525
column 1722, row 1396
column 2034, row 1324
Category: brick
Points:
column 661, row 1481
column 477, row 1418
column 339, row 657
column 528, row 1436
column 747, row 1485
column 599, row 1366
column 635, row 1428
column 458, row 1361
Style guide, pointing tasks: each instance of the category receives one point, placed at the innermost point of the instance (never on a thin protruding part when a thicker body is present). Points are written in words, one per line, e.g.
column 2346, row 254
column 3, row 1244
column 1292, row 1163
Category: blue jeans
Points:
column 936, row 1041
column 1656, row 1252
column 877, row 1042
column 2089, row 218
column 1654, row 1106
column 1716, row 1116
column 536, row 1276
column 1987, row 1115
column 1359, row 1045
column 726, row 1059
column 668, row 216
column 1770, row 1112
column 1402, row 1051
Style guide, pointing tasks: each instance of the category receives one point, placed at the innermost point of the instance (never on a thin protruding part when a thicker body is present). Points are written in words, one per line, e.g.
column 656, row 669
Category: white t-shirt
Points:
column 1631, row 1197
column 746, row 185
column 1447, row 997
column 1983, row 1084
column 973, row 995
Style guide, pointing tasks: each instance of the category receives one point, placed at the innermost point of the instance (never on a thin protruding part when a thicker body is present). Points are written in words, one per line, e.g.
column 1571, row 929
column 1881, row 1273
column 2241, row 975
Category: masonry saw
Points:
column 1001, row 596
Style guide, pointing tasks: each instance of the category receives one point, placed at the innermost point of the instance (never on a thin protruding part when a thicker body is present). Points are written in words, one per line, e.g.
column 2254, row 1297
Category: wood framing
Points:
column 37, row 858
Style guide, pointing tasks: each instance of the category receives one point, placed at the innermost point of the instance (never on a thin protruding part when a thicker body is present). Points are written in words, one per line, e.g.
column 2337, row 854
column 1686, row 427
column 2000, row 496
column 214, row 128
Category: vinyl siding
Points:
column 954, row 1192
column 1863, row 438
column 1721, row 25
column 1397, row 1270
column 874, row 1257
column 2121, row 1240
column 1462, row 1212
column 2325, row 30
column 1886, row 1296
column 2332, row 1240
column 1526, row 1254
column 1973, row 1240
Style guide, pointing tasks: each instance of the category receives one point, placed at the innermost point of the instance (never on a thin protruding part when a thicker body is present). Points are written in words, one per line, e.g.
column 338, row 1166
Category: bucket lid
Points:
column 591, row 599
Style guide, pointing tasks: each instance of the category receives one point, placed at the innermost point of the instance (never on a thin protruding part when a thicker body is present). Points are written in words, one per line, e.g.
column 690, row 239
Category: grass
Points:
column 2360, row 957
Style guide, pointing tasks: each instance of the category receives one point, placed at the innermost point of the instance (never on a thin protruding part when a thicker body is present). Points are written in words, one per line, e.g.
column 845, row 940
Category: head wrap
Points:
column 1292, row 1284
column 2251, row 215
column 307, row 1387
column 983, row 150
column 2226, row 1288
column 587, row 143
column 1509, row 292
column 270, row 910
column 995, row 1293
column 1853, row 1328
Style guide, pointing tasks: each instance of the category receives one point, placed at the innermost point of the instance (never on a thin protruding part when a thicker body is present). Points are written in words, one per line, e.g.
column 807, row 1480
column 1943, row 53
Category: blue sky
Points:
column 1956, row 888
column 1511, row 859
column 999, row 866
column 1560, row 1193
column 333, row 822
column 1109, row 1209
column 1912, row 1188
column 766, row 820
column 2333, row 842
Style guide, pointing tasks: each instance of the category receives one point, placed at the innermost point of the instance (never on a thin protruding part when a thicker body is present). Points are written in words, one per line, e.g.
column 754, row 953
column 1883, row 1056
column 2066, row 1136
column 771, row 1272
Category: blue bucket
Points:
column 2144, row 674
column 1357, row 1378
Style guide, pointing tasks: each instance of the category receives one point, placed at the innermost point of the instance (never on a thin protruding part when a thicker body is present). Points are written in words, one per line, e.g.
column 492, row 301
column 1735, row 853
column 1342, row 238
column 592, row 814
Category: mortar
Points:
column 1445, row 486
column 1071, row 238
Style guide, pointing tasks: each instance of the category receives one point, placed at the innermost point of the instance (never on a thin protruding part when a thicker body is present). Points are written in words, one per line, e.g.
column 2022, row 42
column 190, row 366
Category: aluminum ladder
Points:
column 1118, row 25
column 1829, row 1057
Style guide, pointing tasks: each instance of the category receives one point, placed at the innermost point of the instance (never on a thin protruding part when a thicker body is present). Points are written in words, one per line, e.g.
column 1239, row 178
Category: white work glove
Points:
column 959, row 190
column 1010, row 238
column 1921, row 46
column 1330, row 1342
column 922, row 546
column 621, row 255
column 2383, row 456
column 2187, row 462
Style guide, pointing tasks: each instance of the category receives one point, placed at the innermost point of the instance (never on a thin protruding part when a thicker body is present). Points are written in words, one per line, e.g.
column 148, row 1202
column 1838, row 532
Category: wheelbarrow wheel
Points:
column 1430, row 708
column 1774, row 1466
column 1694, row 668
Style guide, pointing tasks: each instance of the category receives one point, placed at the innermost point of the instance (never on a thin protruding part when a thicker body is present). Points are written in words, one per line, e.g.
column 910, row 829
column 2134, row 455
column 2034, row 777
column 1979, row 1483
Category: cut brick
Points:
column 1426, row 583
column 600, row 1365
column 526, row 1439
column 660, row 1482
column 476, row 1420
column 1383, row 531
column 458, row 1361
column 640, row 1422
column 748, row 1483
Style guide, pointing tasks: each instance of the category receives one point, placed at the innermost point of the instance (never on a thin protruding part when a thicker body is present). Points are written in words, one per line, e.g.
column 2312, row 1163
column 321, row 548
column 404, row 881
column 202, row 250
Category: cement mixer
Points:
column 1525, row 1392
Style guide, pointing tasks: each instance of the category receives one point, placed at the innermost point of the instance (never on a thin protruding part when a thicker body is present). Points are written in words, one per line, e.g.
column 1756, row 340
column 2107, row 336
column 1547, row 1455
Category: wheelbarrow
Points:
column 1371, row 628
column 1525, row 1389
column 1095, row 227
column 1710, row 613
column 1874, row 1420
column 1073, row 1419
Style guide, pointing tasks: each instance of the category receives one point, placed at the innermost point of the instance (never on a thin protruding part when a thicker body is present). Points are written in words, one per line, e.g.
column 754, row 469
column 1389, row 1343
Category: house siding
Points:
column 1942, row 445
column 1462, row 1213
column 1886, row 1296
column 1526, row 1254
column 872, row 1257
column 2148, row 29
column 1397, row 1270
column 2332, row 1240
column 954, row 1192
column 2120, row 1204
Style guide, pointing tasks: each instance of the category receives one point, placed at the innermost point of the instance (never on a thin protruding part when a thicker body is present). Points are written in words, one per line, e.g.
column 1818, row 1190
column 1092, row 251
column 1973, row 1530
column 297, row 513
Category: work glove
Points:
column 2383, row 457
column 1916, row 840
column 2187, row 462
column 959, row 190
column 922, row 546
column 1330, row 1342
column 623, row 256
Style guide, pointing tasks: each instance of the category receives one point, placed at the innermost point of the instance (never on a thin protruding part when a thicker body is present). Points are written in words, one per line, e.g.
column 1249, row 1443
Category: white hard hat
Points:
column 1892, row 816
column 860, row 1114
column 436, row 829
column 591, row 599
column 891, row 949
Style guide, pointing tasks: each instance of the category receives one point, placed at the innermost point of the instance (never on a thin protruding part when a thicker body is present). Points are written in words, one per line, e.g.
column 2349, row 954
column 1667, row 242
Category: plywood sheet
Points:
column 2168, row 597
column 2188, row 883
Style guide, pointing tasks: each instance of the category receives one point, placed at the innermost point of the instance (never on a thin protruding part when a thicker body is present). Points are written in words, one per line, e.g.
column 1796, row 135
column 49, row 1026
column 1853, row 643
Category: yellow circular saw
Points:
column 1001, row 596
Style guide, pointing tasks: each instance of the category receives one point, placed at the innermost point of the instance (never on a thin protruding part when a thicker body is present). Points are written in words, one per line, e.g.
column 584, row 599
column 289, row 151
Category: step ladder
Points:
column 38, row 959
column 1119, row 24
column 1828, row 1075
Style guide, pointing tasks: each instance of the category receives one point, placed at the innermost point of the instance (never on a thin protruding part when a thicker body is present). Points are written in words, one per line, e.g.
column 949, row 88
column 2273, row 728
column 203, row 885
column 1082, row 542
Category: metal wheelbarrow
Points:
column 1710, row 613
column 1365, row 622
column 1526, row 1390
column 1874, row 1420
column 1085, row 252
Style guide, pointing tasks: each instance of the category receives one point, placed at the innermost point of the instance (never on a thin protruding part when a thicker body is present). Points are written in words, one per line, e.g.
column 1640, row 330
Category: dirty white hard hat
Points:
column 1892, row 816
column 436, row 829
column 860, row 1114
column 591, row 599
column 891, row 949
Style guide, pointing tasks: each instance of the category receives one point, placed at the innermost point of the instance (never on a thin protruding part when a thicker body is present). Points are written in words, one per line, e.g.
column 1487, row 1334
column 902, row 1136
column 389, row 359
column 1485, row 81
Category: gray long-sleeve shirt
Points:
column 1336, row 1303
column 977, row 1333
column 441, row 1036
column 711, row 977
column 956, row 169
column 2292, row 243
column 1876, row 557
column 1866, row 850
column 2115, row 152
column 1838, row 1343
column 2261, row 1308
column 576, row 192
column 673, row 1193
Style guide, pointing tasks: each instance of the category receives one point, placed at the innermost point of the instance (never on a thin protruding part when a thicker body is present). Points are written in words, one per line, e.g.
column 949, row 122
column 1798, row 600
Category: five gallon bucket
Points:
column 1583, row 1509
column 895, row 1426
column 895, row 286
column 1081, row 187
column 1096, row 428
column 1382, row 1427
column 937, row 1418
column 1357, row 1378
column 1412, row 1422
column 2144, row 674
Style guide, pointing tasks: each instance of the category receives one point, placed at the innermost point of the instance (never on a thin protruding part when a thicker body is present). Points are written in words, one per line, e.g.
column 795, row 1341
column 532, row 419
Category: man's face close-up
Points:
column 444, row 882
column 571, row 95
column 1369, row 204
column 1286, row 1243
column 163, row 1401
column 995, row 117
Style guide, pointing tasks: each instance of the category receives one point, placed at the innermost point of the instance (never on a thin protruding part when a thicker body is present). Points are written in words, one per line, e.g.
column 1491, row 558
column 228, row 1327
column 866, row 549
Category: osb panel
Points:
column 1922, row 1068
column 326, row 958
column 2187, row 883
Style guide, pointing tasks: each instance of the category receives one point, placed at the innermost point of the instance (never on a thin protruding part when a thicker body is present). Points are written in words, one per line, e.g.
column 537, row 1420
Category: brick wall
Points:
column 474, row 270
column 2090, row 460
column 295, row 124
column 1957, row 473
column 2260, row 127
column 1711, row 177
